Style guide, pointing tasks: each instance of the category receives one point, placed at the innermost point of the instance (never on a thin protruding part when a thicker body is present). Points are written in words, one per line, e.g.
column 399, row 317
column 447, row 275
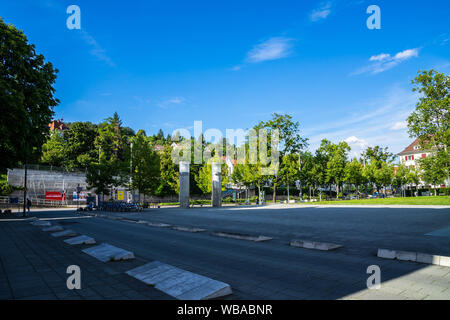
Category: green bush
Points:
column 5, row 187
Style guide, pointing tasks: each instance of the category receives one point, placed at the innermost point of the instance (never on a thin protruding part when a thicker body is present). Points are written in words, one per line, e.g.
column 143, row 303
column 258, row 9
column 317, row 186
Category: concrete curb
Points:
column 53, row 228
column 158, row 224
column 323, row 246
column 40, row 223
column 83, row 239
column 65, row 233
column 106, row 252
column 443, row 261
column 179, row 283
column 258, row 238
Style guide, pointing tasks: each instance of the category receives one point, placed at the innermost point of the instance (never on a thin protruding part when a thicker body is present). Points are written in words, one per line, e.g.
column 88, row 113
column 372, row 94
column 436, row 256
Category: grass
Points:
column 427, row 200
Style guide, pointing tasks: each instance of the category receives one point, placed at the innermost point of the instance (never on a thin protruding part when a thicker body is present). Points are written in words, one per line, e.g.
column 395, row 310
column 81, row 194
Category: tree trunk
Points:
column 288, row 191
column 274, row 195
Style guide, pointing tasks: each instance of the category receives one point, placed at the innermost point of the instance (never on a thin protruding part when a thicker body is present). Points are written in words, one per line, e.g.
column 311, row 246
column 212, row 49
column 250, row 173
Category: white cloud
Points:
column 406, row 54
column 369, row 123
column 384, row 61
column 271, row 49
column 174, row 100
column 322, row 12
column 399, row 125
column 96, row 50
column 380, row 57
column 357, row 146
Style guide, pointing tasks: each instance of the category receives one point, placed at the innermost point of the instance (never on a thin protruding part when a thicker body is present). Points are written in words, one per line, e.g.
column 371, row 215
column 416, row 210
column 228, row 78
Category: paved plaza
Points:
column 33, row 263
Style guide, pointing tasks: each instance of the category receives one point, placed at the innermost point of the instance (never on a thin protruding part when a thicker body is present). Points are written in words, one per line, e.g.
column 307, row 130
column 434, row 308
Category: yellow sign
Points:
column 119, row 195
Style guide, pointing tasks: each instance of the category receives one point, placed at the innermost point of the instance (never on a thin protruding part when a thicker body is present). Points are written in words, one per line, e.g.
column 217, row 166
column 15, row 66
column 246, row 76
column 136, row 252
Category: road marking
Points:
column 324, row 246
column 83, row 239
column 106, row 252
column 179, row 283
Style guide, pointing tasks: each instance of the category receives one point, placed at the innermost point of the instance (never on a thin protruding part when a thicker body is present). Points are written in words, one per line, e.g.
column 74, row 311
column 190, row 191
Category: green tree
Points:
column 412, row 177
column 170, row 180
column 384, row 176
column 353, row 174
column 433, row 172
column 79, row 150
column 290, row 141
column 290, row 169
column 53, row 149
column 400, row 178
column 204, row 178
column 336, row 164
column 430, row 121
column 26, row 98
column 145, row 166
column 102, row 177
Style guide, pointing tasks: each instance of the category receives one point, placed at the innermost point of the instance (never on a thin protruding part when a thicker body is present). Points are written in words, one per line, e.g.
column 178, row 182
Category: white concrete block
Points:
column 427, row 258
column 53, row 228
column 241, row 236
column 106, row 252
column 444, row 261
column 65, row 233
column 179, row 283
column 324, row 246
column 158, row 224
column 41, row 223
column 186, row 229
column 83, row 239
column 406, row 256
column 386, row 254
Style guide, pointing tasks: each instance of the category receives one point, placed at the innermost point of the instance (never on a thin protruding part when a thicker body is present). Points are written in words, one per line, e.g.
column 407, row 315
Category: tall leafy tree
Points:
column 400, row 177
column 26, row 98
column 336, row 164
column 79, row 150
column 170, row 179
column 290, row 140
column 430, row 121
column 290, row 169
column 145, row 165
column 204, row 178
column 433, row 170
column 353, row 174
column 53, row 149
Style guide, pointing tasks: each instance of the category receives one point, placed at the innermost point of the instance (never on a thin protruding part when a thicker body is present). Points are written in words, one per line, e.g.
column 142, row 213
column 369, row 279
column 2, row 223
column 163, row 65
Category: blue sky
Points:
column 164, row 64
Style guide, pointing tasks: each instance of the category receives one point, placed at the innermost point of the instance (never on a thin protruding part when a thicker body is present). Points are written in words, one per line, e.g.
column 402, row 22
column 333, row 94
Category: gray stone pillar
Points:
column 216, row 184
column 184, row 184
